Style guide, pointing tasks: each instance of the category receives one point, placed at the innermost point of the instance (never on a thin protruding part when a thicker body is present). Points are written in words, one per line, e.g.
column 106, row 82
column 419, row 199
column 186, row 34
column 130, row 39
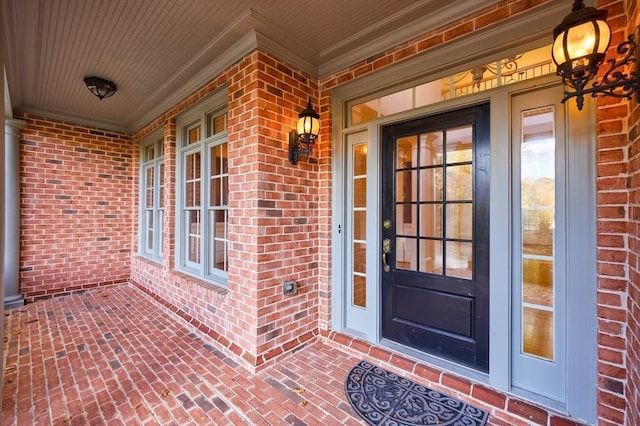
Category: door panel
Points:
column 435, row 203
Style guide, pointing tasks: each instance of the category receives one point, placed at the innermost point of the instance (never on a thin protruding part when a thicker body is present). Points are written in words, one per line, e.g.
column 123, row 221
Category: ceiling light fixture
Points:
column 100, row 87
column 580, row 44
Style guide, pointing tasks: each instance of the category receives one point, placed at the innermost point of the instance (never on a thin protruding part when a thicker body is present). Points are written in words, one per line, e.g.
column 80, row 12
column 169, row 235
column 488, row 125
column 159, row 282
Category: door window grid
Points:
column 152, row 202
column 443, row 243
column 359, row 221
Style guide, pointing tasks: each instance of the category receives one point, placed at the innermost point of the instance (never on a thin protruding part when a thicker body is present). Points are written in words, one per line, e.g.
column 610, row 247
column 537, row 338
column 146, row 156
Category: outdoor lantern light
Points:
column 302, row 138
column 580, row 43
column 100, row 87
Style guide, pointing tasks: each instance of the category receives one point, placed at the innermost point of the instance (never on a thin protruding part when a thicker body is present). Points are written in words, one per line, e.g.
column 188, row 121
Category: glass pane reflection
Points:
column 431, row 149
column 431, row 220
column 460, row 221
column 406, row 253
column 431, row 256
column 459, row 260
column 406, row 148
column 459, row 144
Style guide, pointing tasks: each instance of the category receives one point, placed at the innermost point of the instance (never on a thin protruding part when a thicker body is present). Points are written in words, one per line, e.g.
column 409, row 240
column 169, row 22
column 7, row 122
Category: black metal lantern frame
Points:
column 304, row 136
column 576, row 72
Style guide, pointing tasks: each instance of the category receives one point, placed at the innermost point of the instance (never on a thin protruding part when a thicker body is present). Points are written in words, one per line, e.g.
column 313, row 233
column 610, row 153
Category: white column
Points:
column 12, row 295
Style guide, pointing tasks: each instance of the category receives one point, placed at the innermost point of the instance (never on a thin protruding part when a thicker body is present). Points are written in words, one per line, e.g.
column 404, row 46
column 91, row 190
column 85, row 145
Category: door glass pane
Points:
column 538, row 280
column 360, row 191
column 459, row 144
column 431, row 184
column 431, row 256
column 359, row 223
column 406, row 148
column 537, row 332
column 406, row 253
column 406, row 189
column 431, row 149
column 460, row 220
column 431, row 220
column 359, row 258
column 537, row 203
column 406, row 219
column 459, row 259
column 459, row 183
column 359, row 291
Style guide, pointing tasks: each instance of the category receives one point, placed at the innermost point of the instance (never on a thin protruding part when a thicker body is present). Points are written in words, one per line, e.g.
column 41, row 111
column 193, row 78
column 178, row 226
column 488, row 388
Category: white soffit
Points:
column 160, row 51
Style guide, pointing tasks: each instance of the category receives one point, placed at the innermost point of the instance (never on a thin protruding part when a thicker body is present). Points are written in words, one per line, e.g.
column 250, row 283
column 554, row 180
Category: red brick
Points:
column 490, row 396
column 527, row 411
column 455, row 382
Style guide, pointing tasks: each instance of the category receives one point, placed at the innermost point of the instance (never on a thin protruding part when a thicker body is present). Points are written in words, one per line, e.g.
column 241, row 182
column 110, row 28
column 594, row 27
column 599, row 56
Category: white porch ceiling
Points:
column 158, row 51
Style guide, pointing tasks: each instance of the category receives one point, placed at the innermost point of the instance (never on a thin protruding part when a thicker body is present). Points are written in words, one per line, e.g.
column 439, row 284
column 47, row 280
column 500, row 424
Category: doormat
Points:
column 383, row 398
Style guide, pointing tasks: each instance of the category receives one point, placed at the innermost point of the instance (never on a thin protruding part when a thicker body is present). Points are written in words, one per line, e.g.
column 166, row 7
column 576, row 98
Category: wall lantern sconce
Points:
column 304, row 136
column 580, row 43
column 100, row 87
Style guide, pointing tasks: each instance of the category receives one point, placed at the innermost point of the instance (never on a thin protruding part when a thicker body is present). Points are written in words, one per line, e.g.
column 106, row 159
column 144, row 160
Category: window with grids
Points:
column 203, row 190
column 152, row 197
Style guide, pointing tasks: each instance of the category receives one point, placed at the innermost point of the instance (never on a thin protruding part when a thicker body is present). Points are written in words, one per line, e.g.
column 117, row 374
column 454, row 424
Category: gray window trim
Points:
column 156, row 139
column 198, row 115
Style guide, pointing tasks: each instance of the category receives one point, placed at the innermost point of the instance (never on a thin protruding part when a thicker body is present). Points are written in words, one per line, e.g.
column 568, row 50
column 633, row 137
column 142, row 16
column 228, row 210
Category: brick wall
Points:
column 614, row 242
column 76, row 201
column 273, row 226
column 632, row 389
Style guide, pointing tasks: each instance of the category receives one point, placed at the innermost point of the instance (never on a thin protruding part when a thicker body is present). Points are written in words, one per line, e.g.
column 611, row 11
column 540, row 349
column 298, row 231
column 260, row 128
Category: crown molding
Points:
column 529, row 30
column 412, row 22
column 273, row 40
column 233, row 44
column 76, row 119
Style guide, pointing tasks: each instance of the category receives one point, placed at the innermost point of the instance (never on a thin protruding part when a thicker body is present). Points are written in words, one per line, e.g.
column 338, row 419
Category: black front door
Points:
column 435, row 231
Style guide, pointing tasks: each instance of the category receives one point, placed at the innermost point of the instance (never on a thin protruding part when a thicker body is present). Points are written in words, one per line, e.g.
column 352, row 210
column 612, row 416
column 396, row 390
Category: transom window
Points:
column 152, row 197
column 203, row 188
column 524, row 66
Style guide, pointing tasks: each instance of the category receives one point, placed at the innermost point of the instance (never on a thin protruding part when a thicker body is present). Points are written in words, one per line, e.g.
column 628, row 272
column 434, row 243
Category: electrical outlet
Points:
column 289, row 287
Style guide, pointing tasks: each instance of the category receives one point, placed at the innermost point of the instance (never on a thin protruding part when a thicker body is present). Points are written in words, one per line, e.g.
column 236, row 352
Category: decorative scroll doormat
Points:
column 383, row 398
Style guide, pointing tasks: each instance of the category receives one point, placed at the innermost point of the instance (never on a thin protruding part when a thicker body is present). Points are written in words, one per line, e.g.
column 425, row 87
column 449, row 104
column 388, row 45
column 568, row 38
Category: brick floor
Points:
column 114, row 356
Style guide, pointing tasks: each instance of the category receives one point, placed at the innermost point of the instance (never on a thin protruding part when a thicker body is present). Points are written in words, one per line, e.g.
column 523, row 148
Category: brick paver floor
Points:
column 114, row 356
